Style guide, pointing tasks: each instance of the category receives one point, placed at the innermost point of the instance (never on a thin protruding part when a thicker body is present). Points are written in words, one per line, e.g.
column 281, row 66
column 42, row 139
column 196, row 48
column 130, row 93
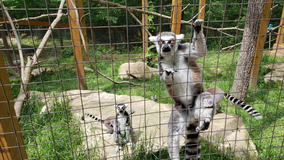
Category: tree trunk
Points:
column 7, row 51
column 245, row 60
column 24, row 90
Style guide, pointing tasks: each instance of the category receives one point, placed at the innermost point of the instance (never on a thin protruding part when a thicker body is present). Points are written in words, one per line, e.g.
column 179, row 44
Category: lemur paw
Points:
column 197, row 129
column 117, row 149
column 169, row 71
column 207, row 120
column 197, row 25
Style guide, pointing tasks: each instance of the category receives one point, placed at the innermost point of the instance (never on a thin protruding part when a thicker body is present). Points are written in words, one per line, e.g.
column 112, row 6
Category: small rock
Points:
column 17, row 62
column 38, row 71
column 88, row 69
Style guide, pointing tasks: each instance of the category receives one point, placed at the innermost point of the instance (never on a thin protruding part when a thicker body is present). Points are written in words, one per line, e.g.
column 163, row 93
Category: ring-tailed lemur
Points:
column 123, row 132
column 218, row 95
column 179, row 71
column 205, row 109
column 107, row 122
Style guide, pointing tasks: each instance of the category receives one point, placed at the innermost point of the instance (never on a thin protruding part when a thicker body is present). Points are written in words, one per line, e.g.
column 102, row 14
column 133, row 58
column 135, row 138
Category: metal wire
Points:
column 112, row 42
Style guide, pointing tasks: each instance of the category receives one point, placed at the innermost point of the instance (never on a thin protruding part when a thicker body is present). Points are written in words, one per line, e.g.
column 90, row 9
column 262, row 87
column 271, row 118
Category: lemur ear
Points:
column 180, row 37
column 153, row 39
column 115, row 106
column 125, row 105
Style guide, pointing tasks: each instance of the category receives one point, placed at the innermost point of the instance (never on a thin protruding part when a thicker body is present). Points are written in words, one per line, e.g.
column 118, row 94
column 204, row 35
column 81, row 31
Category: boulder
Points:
column 138, row 70
column 86, row 69
column 150, row 122
column 36, row 72
column 276, row 75
column 278, row 50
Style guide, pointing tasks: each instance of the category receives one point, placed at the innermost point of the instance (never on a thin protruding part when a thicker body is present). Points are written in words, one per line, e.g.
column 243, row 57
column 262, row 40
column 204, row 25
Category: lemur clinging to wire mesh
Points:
column 179, row 71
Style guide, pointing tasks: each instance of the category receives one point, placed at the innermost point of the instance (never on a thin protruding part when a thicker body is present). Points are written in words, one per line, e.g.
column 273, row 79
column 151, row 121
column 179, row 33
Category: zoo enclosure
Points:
column 78, row 48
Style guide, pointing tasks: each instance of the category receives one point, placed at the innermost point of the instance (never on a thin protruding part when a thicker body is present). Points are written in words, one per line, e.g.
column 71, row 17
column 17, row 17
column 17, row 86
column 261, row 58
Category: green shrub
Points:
column 67, row 52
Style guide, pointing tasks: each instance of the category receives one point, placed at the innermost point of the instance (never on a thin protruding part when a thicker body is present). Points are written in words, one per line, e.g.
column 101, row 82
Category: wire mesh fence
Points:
column 66, row 66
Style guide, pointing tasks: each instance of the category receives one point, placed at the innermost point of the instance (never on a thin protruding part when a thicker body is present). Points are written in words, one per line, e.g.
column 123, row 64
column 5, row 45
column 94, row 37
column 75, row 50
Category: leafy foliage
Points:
column 67, row 52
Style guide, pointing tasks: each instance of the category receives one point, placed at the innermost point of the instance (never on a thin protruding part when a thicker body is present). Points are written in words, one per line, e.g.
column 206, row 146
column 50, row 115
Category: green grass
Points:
column 207, row 152
column 267, row 134
column 266, row 98
column 48, row 135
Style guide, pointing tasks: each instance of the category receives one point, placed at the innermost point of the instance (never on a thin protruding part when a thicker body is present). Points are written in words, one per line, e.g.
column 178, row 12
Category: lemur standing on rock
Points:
column 109, row 122
column 118, row 125
column 123, row 132
column 179, row 71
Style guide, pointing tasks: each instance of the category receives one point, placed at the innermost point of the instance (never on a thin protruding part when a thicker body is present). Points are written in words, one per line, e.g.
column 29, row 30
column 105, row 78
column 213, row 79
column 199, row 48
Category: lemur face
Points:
column 121, row 107
column 166, row 42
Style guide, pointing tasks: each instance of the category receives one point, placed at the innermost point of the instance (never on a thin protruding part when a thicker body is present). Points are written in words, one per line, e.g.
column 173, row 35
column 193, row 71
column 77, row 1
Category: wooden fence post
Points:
column 11, row 146
column 6, row 46
column 260, row 43
column 76, row 42
column 176, row 16
column 145, row 24
column 201, row 4
column 279, row 39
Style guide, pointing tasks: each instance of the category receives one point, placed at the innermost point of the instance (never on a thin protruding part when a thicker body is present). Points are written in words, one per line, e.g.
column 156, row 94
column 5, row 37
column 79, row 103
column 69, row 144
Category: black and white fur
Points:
column 123, row 131
column 109, row 122
column 179, row 71
column 218, row 95
column 205, row 109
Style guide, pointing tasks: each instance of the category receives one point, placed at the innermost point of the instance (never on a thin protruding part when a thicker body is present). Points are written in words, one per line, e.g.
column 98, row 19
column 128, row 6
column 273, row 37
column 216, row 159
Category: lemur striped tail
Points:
column 244, row 106
column 192, row 143
column 93, row 117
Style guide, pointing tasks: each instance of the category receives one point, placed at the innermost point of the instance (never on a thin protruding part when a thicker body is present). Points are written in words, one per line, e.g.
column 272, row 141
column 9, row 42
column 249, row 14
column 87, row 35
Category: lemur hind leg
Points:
column 175, row 131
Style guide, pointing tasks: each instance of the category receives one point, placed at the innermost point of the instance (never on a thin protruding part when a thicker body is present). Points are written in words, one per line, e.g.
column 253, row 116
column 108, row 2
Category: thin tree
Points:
column 246, row 55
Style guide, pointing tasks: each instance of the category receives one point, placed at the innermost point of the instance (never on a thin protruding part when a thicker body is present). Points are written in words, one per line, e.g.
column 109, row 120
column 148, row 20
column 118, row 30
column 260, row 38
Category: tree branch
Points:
column 31, row 61
column 131, row 9
column 229, row 47
column 87, row 52
column 48, row 33
column 32, row 18
column 139, row 23
column 17, row 38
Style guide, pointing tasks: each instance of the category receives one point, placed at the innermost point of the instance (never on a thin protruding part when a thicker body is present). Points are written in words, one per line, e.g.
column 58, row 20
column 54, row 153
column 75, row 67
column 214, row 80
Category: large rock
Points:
column 278, row 50
column 276, row 75
column 229, row 132
column 150, row 124
column 139, row 70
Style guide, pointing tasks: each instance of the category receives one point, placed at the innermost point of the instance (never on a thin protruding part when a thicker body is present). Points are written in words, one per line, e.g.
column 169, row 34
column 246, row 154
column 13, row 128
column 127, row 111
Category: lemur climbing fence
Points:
column 60, row 59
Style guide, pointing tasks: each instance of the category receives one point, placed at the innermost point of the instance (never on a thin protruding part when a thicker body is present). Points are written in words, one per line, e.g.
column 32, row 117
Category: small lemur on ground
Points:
column 179, row 71
column 107, row 122
column 118, row 125
column 123, row 132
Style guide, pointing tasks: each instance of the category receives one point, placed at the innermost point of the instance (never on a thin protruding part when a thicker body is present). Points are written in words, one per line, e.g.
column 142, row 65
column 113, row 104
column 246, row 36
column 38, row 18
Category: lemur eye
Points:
column 123, row 108
column 161, row 42
column 172, row 41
